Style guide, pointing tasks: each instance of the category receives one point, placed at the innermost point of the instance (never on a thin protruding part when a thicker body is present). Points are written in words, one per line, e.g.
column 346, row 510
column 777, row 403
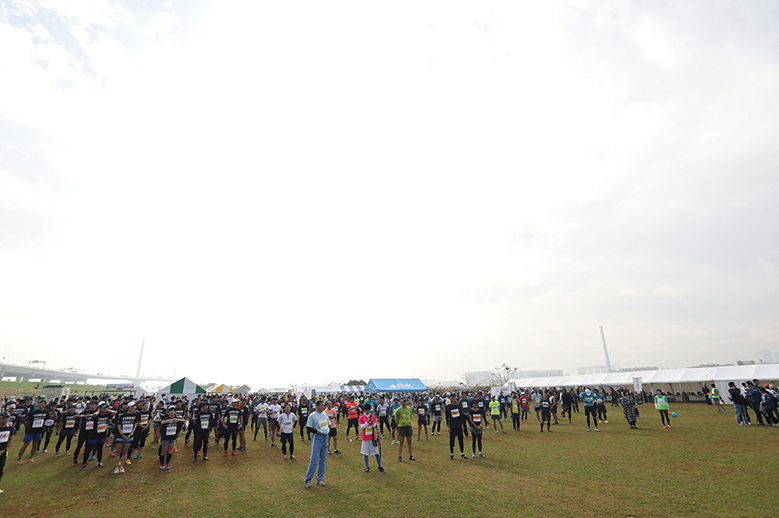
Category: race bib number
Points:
column 438, row 408
column 70, row 422
column 369, row 433
column 481, row 405
column 170, row 430
column 37, row 423
column 383, row 412
column 89, row 426
column 144, row 420
column 304, row 411
column 204, row 422
column 101, row 428
column 324, row 425
column 421, row 411
column 477, row 418
column 455, row 412
column 48, row 422
column 127, row 428
column 233, row 419
column 4, row 436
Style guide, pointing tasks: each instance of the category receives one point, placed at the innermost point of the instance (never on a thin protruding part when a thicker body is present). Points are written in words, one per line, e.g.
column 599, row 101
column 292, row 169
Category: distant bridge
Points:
column 22, row 373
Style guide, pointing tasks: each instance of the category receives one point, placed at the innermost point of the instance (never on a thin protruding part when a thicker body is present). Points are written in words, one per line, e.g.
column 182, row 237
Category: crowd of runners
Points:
column 85, row 428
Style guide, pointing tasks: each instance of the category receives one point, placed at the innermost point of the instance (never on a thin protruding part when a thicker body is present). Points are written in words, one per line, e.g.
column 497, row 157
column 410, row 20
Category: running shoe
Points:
column 128, row 462
column 463, row 456
column 411, row 457
column 116, row 471
column 381, row 469
column 67, row 454
column 224, row 454
column 57, row 454
column 121, row 469
column 292, row 457
column 99, row 464
column 30, row 461
column 45, row 451
column 320, row 483
column 83, row 467
column 235, row 454
column 175, row 450
column 337, row 452
column 482, row 455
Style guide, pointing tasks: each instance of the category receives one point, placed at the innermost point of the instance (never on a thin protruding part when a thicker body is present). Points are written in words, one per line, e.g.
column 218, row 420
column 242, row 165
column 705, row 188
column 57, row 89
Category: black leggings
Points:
column 201, row 441
column 353, row 422
column 303, row 426
column 288, row 438
column 515, row 420
column 476, row 439
column 231, row 433
column 602, row 413
column 384, row 420
column 82, row 439
column 455, row 432
column 591, row 410
column 49, row 431
column 97, row 447
column 63, row 437
column 664, row 417
column 435, row 423
column 264, row 427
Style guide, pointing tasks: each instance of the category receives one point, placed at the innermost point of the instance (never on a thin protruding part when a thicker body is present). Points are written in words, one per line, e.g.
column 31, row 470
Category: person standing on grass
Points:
column 382, row 409
column 273, row 414
column 769, row 407
column 755, row 398
column 437, row 413
column 319, row 423
column 629, row 408
column 454, row 424
column 393, row 423
column 287, row 422
column 169, row 429
column 98, row 435
column 262, row 418
column 614, row 397
column 515, row 411
column 231, row 422
column 332, row 414
column 303, row 409
column 34, row 431
column 495, row 415
column 716, row 398
column 405, row 432
column 567, row 402
column 7, row 433
column 422, row 415
column 202, row 422
column 546, row 412
column 86, row 423
column 536, row 398
column 524, row 406
column 476, row 420
column 600, row 405
column 48, row 425
column 127, row 421
column 369, row 427
column 67, row 429
column 353, row 413
column 739, row 404
column 661, row 405
column 588, row 397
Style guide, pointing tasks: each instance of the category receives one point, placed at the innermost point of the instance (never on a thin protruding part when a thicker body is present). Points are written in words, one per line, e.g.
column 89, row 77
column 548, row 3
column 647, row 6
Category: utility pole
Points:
column 140, row 358
column 605, row 350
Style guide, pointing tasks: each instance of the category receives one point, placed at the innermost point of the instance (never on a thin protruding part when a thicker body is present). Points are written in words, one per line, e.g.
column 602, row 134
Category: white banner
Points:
column 638, row 384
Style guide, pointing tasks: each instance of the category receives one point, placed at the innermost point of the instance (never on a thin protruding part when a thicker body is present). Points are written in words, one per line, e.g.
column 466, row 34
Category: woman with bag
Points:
column 370, row 441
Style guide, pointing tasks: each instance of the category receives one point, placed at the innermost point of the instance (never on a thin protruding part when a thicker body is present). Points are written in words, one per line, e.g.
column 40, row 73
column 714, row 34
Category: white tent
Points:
column 688, row 380
column 183, row 387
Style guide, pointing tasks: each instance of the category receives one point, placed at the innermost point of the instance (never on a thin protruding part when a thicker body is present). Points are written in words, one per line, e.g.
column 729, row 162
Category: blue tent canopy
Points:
column 395, row 385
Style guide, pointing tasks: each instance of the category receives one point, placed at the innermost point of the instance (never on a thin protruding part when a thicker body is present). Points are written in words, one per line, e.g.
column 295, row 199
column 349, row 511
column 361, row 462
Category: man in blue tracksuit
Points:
column 319, row 424
column 754, row 397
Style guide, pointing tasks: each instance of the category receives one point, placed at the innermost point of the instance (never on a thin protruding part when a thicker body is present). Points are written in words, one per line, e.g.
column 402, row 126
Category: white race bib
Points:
column 421, row 411
column 90, row 425
column 455, row 412
column 233, row 419
column 127, row 428
column 5, row 435
column 48, row 422
column 101, row 428
column 324, row 426
column 477, row 418
column 171, row 430
column 37, row 423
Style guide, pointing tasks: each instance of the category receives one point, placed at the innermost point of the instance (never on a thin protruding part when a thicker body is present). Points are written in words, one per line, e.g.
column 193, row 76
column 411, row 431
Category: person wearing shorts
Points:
column 382, row 409
column 393, row 424
column 332, row 414
column 127, row 421
column 6, row 438
column 262, row 418
column 422, row 416
column 34, row 428
column 353, row 413
column 169, row 429
column 274, row 410
column 405, row 431
column 437, row 411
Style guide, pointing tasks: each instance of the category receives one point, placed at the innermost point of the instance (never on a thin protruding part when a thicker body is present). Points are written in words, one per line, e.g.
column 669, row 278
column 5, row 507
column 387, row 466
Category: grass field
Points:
column 27, row 388
column 705, row 465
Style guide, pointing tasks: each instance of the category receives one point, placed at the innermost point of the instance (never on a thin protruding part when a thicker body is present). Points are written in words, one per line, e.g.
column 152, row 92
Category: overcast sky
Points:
column 307, row 192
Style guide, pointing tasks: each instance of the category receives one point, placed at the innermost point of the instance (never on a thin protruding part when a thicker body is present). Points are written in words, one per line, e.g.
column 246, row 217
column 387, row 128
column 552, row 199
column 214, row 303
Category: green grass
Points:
column 704, row 466
column 27, row 388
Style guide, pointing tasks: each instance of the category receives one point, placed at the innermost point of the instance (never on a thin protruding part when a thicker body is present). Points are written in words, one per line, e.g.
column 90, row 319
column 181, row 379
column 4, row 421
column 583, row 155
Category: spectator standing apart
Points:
column 589, row 408
column 739, row 405
column 706, row 393
column 567, row 399
column 319, row 423
column 614, row 397
column 369, row 427
column 405, row 431
column 629, row 408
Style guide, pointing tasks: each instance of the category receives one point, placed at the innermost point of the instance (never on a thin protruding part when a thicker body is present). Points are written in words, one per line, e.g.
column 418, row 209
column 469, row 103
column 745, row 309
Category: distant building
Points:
column 745, row 362
column 596, row 369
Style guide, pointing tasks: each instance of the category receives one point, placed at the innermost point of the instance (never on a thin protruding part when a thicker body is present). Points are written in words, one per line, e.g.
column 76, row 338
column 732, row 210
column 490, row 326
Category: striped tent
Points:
column 351, row 388
column 183, row 387
column 223, row 389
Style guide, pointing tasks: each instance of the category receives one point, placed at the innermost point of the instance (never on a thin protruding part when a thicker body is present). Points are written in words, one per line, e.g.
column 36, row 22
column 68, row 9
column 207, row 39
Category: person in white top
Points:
column 274, row 410
column 286, row 421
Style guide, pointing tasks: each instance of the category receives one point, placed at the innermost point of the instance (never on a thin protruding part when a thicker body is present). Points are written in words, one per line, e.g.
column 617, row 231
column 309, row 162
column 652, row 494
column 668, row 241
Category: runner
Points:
column 393, row 424
column 274, row 410
column 303, row 409
column 437, row 410
column 567, row 399
column 127, row 421
column 476, row 420
column 85, row 427
column 661, row 405
column 383, row 410
column 454, row 424
column 495, row 414
column 202, row 422
column 49, row 424
column 67, row 429
column 716, row 398
column 403, row 419
column 536, row 397
column 503, row 405
column 262, row 418
column 546, row 412
column 231, row 421
column 524, row 404
column 7, row 433
column 169, row 429
column 98, row 434
column 353, row 413
column 317, row 462
column 142, row 432
column 332, row 414
column 515, row 411
column 369, row 427
column 422, row 413
column 34, row 431
column 245, row 416
column 287, row 422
